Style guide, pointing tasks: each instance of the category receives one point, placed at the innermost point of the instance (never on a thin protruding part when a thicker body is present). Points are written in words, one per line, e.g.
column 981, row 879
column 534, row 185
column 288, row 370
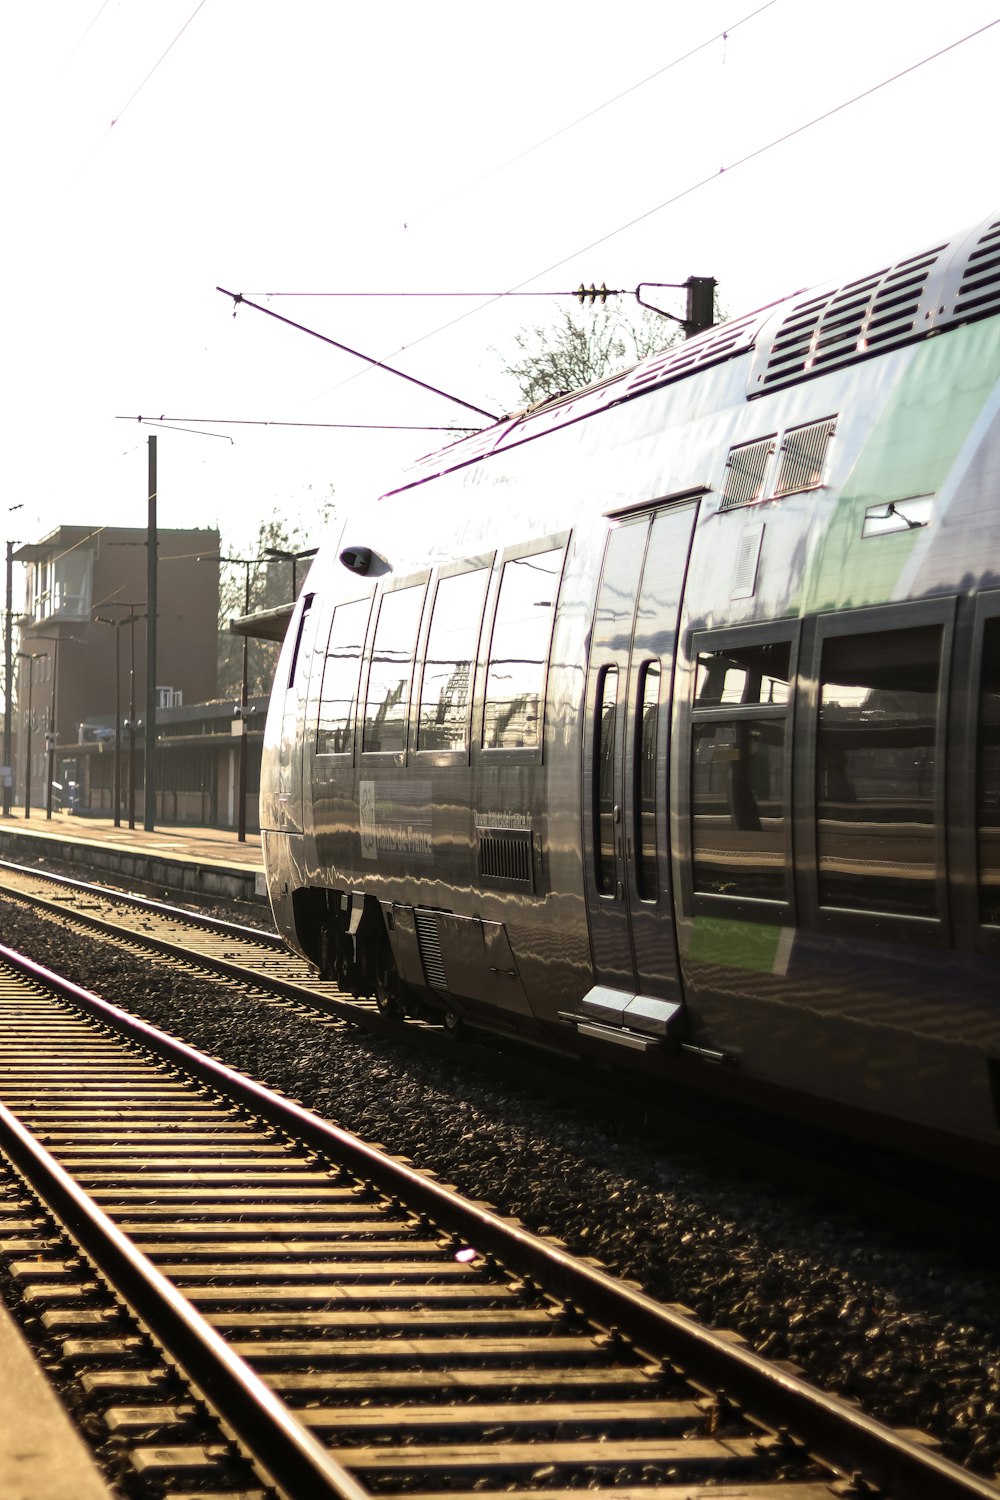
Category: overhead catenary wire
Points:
column 578, row 291
column 239, row 300
column 268, row 422
column 694, row 187
column 137, row 91
column 718, row 36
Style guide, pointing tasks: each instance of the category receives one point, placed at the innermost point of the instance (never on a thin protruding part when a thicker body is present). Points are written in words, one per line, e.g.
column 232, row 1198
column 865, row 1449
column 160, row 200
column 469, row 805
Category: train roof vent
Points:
column 708, row 348
column 746, row 472
column 978, row 292
column 864, row 317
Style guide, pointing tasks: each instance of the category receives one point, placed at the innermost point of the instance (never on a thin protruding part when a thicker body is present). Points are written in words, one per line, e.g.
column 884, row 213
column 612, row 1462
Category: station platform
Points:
column 42, row 1456
column 172, row 859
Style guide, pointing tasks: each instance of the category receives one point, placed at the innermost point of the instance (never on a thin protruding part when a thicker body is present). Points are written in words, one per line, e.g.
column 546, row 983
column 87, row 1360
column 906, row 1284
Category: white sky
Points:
column 324, row 146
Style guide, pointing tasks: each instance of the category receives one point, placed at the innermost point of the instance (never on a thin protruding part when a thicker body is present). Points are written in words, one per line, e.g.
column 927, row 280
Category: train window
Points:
column 988, row 781
column 743, row 674
column 339, row 690
column 604, row 780
column 450, row 663
column 648, row 709
column 391, row 666
column 522, row 630
column 307, row 604
column 740, row 781
column 738, row 808
column 877, row 770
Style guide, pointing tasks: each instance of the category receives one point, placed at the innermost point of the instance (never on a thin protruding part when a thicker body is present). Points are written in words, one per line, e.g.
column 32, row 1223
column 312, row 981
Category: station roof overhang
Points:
column 264, row 625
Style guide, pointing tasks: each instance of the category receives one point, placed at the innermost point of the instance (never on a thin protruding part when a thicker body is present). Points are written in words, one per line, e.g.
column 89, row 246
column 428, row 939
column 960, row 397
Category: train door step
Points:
column 630, row 1020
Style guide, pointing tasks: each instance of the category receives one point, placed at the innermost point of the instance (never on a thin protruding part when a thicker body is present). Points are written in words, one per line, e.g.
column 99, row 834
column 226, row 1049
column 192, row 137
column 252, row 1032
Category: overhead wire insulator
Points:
column 591, row 294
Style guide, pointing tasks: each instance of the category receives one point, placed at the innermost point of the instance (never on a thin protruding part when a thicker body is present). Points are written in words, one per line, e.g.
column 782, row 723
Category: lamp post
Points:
column 130, row 723
column 293, row 558
column 51, row 737
column 117, row 792
column 241, row 812
column 30, row 657
column 8, row 786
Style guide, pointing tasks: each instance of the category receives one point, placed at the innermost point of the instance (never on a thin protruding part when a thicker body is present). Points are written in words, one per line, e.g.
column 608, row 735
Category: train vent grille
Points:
column 708, row 348
column 746, row 473
column 979, row 290
column 802, row 457
column 429, row 943
column 505, row 859
column 864, row 317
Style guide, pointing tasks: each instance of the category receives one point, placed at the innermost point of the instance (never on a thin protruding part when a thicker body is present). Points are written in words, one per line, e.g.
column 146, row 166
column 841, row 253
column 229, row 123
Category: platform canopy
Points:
column 264, row 624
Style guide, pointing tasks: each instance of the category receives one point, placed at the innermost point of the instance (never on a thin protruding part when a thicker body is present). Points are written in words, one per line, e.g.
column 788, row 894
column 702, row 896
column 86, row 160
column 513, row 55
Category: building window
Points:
column 60, row 587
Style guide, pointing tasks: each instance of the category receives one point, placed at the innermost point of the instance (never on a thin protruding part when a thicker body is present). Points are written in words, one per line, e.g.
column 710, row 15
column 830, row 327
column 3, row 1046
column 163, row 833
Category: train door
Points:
column 626, row 762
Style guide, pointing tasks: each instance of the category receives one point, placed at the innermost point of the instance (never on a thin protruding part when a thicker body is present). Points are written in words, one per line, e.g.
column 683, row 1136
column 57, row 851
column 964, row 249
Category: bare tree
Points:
column 583, row 345
column 266, row 582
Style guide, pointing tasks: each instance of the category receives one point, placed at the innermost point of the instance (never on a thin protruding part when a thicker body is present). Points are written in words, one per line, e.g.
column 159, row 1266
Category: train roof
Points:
column 956, row 280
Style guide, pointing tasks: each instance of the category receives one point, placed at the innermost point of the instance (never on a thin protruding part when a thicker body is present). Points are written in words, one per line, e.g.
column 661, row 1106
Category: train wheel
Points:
column 388, row 994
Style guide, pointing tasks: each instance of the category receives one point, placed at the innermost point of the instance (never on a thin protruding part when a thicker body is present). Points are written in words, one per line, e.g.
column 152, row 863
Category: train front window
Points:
column 877, row 771
column 446, row 691
column 519, row 648
column 341, row 668
column 391, row 667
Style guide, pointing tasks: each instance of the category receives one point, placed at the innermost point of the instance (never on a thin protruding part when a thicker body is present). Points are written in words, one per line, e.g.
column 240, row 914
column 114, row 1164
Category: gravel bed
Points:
column 912, row 1335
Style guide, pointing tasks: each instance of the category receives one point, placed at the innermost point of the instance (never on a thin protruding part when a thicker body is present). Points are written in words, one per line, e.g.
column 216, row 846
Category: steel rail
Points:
column 834, row 1430
column 293, row 1460
column 155, row 908
column 322, row 994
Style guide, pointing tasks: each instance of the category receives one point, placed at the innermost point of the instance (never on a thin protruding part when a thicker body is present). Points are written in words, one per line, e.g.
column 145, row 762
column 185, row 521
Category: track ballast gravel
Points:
column 912, row 1335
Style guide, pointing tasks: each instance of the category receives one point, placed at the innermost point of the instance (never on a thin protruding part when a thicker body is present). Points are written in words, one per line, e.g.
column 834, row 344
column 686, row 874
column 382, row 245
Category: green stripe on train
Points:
column 910, row 451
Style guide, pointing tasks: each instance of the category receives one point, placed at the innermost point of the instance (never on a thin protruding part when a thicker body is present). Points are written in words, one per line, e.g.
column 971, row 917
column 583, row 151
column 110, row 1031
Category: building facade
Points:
column 80, row 666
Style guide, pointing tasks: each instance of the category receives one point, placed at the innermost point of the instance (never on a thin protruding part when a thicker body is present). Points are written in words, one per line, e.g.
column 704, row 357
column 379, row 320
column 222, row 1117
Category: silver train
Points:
column 660, row 724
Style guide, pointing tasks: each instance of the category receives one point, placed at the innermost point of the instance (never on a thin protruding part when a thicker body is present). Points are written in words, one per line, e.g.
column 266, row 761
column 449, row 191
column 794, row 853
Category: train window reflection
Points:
column 604, row 781
column 738, row 812
column 988, row 782
column 451, row 661
column 521, row 633
column 645, row 780
column 878, row 766
column 391, row 666
column 339, row 690
column 743, row 674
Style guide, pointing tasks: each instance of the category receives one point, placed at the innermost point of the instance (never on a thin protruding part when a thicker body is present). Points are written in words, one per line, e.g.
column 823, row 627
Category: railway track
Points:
column 265, row 1299
column 248, row 955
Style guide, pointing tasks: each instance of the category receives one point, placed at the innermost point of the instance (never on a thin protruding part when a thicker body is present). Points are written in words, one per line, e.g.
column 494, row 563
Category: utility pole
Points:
column 700, row 304
column 30, row 657
column 51, row 735
column 149, row 800
column 117, row 793
column 8, row 664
